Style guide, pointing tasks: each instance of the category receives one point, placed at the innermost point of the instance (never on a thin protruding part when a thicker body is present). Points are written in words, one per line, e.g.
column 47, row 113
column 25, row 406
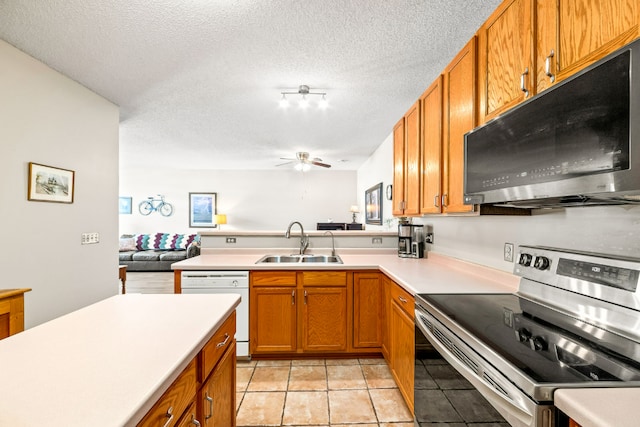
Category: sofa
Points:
column 156, row 252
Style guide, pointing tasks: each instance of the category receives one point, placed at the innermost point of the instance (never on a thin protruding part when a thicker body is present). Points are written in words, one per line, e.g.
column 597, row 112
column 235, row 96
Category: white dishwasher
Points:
column 224, row 282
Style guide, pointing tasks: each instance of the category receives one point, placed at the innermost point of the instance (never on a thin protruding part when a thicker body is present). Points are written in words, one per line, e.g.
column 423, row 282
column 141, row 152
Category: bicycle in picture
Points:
column 153, row 205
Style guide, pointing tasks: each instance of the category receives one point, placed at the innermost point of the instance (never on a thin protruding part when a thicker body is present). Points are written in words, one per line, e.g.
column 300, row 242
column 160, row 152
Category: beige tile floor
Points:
column 319, row 393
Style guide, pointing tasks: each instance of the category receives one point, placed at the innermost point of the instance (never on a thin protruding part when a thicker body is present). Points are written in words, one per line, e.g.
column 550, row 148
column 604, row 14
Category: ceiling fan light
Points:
column 304, row 102
column 284, row 102
column 323, row 104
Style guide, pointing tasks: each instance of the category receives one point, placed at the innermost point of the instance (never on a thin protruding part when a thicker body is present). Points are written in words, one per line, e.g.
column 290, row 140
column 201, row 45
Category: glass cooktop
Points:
column 546, row 345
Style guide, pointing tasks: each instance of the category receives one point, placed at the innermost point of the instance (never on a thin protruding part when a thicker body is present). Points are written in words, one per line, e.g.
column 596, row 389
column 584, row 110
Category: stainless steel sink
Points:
column 300, row 258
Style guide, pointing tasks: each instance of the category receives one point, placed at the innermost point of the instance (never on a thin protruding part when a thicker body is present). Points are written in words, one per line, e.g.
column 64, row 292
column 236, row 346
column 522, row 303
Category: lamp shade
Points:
column 221, row 219
column 354, row 209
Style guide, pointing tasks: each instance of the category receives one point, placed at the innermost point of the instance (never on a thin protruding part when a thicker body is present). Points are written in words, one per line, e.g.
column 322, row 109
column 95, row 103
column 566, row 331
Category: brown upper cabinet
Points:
column 526, row 46
column 459, row 96
column 406, row 161
column 431, row 159
column 505, row 56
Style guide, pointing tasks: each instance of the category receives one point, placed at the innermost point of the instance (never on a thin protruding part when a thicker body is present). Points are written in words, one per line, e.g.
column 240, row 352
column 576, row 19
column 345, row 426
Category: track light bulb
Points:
column 323, row 104
column 304, row 102
column 284, row 102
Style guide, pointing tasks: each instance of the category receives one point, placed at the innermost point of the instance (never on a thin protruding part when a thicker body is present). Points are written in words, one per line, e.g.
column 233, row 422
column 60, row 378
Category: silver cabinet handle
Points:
column 443, row 200
column 436, row 200
column 293, row 297
column 402, row 300
column 523, row 82
column 305, row 297
column 169, row 415
column 223, row 343
column 547, row 67
column 210, row 400
column 194, row 421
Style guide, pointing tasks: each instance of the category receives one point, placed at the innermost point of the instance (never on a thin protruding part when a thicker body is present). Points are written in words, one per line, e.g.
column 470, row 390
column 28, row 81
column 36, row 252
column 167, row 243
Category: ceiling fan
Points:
column 303, row 162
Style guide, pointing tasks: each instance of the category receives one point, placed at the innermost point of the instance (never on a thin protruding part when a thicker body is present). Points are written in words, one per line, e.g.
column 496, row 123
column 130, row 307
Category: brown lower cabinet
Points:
column 204, row 393
column 294, row 314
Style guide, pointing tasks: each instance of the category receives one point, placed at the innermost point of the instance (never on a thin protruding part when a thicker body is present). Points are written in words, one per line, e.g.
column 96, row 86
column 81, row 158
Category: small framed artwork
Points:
column 50, row 184
column 202, row 209
column 124, row 205
column 373, row 205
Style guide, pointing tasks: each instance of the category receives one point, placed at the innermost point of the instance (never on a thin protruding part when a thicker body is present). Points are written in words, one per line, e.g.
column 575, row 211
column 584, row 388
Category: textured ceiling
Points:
column 198, row 81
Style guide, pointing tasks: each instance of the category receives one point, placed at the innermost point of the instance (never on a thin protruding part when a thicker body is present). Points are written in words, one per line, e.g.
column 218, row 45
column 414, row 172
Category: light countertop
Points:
column 105, row 364
column 598, row 407
column 435, row 274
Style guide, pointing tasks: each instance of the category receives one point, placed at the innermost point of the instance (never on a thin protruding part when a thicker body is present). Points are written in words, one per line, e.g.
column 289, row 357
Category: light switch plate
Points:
column 90, row 238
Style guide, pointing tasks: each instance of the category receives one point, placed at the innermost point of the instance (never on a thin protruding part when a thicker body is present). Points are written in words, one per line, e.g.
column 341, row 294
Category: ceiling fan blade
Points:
column 286, row 163
column 316, row 163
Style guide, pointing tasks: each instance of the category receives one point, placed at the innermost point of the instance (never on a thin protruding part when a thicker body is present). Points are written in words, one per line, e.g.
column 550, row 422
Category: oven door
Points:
column 454, row 384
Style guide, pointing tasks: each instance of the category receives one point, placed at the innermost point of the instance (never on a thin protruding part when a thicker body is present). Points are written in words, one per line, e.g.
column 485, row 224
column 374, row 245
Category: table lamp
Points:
column 354, row 210
column 221, row 219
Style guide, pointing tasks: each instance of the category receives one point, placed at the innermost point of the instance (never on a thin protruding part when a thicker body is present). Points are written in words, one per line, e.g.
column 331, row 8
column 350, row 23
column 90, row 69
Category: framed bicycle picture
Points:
column 202, row 209
column 50, row 184
column 373, row 205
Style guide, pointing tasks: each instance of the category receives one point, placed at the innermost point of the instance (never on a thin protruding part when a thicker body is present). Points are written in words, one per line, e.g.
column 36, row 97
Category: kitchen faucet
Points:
column 304, row 240
column 333, row 243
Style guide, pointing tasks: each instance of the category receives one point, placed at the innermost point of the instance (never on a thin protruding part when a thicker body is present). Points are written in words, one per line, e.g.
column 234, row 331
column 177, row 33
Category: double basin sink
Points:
column 333, row 259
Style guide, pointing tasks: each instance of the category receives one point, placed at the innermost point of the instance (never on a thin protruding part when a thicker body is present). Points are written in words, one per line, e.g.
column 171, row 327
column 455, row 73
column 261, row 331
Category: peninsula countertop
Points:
column 433, row 274
column 105, row 364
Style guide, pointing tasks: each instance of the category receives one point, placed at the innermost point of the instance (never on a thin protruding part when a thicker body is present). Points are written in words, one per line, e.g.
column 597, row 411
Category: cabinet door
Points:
column 367, row 310
column 386, row 318
column 431, row 158
column 588, row 30
column 324, row 319
column 403, row 344
column 412, row 163
column 398, row 200
column 217, row 396
column 189, row 418
column 459, row 99
column 505, row 58
column 272, row 319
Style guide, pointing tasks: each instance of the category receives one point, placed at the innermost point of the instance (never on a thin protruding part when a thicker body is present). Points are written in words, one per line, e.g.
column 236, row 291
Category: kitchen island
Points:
column 106, row 364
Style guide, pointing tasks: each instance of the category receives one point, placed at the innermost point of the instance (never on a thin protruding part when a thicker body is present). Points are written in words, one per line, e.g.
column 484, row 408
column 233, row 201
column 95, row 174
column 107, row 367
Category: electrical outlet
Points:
column 508, row 252
column 428, row 238
column 90, row 238
column 376, row 240
column 231, row 239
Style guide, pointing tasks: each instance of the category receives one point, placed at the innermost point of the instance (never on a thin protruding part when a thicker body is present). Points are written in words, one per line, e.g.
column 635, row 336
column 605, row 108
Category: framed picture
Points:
column 373, row 205
column 202, row 210
column 49, row 184
column 124, row 205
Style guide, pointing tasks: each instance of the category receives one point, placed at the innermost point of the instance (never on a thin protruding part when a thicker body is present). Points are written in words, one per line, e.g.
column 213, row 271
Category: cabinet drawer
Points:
column 404, row 299
column 215, row 347
column 271, row 278
column 324, row 278
column 174, row 401
column 189, row 417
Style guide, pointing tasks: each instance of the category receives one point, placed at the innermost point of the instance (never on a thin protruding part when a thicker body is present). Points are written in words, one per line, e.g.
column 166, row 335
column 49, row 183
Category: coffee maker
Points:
column 411, row 240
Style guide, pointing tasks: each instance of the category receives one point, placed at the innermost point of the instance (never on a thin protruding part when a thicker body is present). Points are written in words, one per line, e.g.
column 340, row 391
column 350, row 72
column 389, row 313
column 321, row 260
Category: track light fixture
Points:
column 304, row 93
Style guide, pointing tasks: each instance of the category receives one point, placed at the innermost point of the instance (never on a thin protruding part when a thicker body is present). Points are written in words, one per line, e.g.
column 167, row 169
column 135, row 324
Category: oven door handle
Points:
column 515, row 407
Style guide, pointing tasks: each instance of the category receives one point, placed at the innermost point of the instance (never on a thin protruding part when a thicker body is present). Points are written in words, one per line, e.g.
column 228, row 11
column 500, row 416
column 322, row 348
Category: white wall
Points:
column 252, row 200
column 378, row 168
column 49, row 119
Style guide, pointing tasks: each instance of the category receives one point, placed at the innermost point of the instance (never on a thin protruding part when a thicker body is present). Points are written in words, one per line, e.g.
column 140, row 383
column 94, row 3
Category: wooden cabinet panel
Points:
column 386, row 316
column 459, row 98
column 367, row 310
column 217, row 397
column 273, row 278
column 216, row 346
column 324, row 278
column 505, row 55
column 412, row 163
column 431, row 153
column 406, row 161
column 398, row 168
column 546, row 44
column 189, row 418
column 324, row 319
column 403, row 357
column 272, row 319
column 174, row 401
column 11, row 311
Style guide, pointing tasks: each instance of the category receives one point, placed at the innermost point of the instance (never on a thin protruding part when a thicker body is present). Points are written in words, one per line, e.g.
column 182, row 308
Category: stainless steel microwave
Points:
column 575, row 144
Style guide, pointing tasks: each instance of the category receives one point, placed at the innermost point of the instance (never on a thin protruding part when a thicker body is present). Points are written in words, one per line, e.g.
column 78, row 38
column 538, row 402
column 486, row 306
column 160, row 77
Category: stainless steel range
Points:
column 574, row 322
